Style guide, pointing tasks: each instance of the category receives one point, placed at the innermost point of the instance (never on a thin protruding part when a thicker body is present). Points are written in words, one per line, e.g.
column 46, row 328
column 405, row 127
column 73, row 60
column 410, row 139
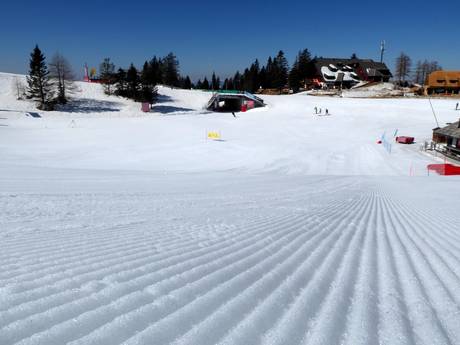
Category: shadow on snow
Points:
column 87, row 105
column 168, row 109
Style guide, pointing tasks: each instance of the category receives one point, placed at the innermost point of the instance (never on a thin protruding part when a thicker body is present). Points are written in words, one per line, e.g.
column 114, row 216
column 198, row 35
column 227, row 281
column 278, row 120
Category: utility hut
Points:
column 450, row 137
column 233, row 101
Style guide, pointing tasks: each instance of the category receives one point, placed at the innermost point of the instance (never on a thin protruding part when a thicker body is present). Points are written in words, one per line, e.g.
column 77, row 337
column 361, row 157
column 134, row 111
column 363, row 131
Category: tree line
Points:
column 404, row 73
column 141, row 85
column 275, row 74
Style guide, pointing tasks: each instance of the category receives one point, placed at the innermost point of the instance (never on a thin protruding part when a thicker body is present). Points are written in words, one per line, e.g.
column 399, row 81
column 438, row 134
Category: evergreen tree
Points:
column 187, row 83
column 39, row 88
column 171, row 70
column 155, row 71
column 133, row 82
column 294, row 76
column 304, row 64
column 121, row 88
column 230, row 85
column 281, row 68
column 269, row 74
column 107, row 75
column 254, row 74
column 263, row 78
column 237, row 81
column 214, row 82
column 205, row 84
column 149, row 91
column 199, row 84
column 301, row 70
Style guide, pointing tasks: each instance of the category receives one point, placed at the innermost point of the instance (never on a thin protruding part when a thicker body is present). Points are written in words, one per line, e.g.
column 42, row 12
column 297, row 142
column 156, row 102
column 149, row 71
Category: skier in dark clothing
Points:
column 456, row 107
column 233, row 113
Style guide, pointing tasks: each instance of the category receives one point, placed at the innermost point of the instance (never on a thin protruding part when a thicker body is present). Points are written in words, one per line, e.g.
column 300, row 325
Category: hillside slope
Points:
column 119, row 227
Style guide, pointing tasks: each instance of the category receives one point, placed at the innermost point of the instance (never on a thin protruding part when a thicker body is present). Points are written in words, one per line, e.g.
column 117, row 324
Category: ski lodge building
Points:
column 233, row 101
column 443, row 82
column 345, row 73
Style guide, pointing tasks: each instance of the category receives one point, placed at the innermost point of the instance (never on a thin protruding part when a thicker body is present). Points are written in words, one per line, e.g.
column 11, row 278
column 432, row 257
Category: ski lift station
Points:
column 233, row 101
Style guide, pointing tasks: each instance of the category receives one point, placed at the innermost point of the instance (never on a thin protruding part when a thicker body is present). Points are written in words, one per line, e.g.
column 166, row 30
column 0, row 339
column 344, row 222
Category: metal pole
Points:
column 434, row 114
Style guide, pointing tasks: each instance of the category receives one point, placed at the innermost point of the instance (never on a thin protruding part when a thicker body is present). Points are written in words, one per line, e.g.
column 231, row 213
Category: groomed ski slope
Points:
column 127, row 229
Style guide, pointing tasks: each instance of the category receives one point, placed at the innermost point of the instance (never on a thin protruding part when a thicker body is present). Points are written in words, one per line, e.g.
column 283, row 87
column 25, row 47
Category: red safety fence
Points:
column 444, row 169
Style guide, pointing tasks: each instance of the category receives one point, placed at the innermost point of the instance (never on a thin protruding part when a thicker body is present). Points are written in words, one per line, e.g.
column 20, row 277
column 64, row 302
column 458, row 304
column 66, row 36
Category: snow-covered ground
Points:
column 124, row 227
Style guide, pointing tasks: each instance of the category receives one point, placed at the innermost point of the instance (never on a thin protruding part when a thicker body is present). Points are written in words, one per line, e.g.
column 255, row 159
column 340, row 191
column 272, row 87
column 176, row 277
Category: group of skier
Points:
column 318, row 111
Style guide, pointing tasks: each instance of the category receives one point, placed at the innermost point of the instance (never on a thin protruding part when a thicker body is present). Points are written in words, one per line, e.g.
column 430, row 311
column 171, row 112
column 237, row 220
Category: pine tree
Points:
column 120, row 83
column 107, row 75
column 230, row 85
column 263, row 78
column 171, row 70
column 281, row 68
column 133, row 82
column 155, row 71
column 187, row 83
column 254, row 73
column 237, row 81
column 301, row 70
column 269, row 74
column 148, row 92
column 294, row 76
column 205, row 84
column 214, row 83
column 199, row 84
column 39, row 88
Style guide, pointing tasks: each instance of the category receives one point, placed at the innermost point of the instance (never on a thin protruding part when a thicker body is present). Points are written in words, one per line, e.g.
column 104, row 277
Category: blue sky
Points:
column 224, row 36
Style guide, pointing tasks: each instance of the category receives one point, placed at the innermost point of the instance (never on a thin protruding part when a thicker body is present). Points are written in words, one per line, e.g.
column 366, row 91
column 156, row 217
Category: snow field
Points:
column 133, row 229
column 348, row 263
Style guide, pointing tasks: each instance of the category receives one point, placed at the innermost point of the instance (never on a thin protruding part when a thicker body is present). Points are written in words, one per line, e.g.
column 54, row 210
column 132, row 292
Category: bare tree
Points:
column 403, row 67
column 19, row 88
column 107, row 75
column 62, row 77
column 423, row 69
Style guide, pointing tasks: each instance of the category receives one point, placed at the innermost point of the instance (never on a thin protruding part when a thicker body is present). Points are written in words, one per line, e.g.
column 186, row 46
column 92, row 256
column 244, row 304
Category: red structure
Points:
column 86, row 77
column 444, row 169
column 405, row 140
column 145, row 107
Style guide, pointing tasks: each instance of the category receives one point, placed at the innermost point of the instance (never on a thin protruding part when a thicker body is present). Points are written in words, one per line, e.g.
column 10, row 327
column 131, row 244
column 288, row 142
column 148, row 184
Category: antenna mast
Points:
column 382, row 50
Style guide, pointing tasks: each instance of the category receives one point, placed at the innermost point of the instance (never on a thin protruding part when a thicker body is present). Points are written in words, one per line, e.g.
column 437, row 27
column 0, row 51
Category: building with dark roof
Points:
column 344, row 73
column 450, row 136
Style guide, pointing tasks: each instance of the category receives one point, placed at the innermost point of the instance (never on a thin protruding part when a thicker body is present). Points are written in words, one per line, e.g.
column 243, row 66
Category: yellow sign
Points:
column 214, row 135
